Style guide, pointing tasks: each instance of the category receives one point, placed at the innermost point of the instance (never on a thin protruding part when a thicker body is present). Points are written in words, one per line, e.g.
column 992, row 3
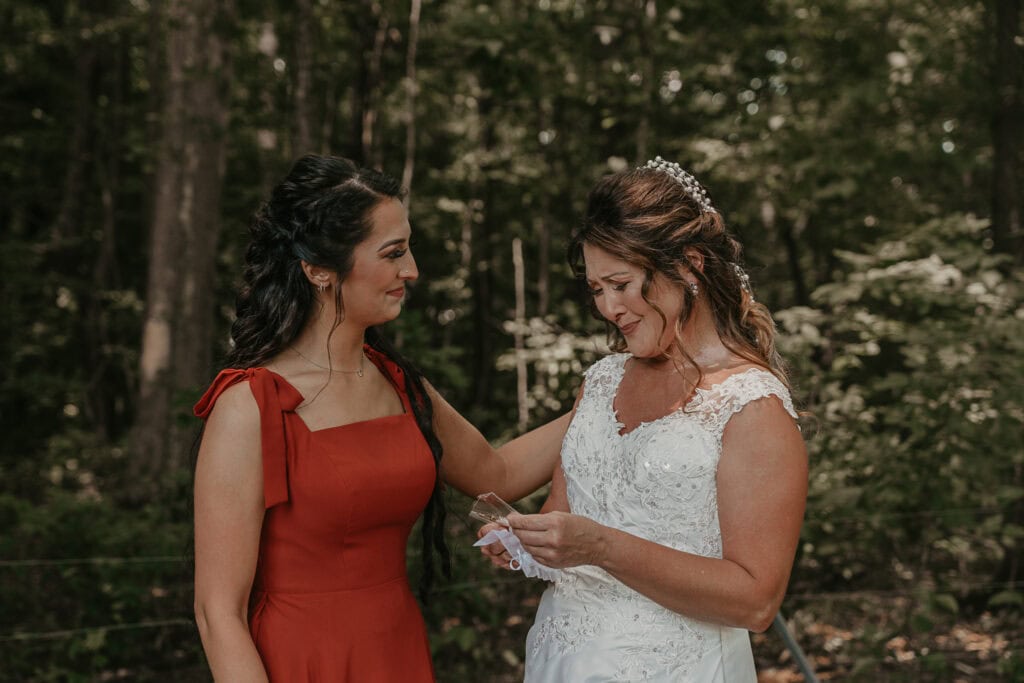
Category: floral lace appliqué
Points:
column 657, row 482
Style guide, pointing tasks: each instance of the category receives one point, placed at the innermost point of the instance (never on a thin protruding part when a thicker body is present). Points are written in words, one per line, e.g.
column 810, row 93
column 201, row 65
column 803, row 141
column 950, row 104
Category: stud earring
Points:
column 694, row 289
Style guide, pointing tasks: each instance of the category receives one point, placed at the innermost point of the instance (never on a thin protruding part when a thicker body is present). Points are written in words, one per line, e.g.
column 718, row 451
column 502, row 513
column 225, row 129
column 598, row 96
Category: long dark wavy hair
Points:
column 646, row 218
column 318, row 214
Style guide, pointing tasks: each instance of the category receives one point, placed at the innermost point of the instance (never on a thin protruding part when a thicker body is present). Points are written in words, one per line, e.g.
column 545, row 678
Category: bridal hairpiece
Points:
column 690, row 184
column 744, row 280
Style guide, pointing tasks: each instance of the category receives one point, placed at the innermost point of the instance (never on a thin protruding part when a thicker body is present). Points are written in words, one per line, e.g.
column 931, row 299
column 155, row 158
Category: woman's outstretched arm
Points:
column 514, row 470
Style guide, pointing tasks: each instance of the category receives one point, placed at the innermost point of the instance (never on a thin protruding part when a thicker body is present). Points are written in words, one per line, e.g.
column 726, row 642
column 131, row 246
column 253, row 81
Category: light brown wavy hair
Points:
column 645, row 218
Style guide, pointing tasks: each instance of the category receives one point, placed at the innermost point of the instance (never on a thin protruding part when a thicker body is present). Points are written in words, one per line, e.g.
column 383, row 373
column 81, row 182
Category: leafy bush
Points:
column 914, row 361
column 113, row 602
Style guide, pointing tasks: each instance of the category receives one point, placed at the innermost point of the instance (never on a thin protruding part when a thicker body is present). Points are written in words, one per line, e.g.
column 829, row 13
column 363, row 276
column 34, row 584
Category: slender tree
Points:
column 371, row 146
column 364, row 20
column 1007, row 122
column 411, row 87
column 481, row 274
column 85, row 52
column 176, row 341
column 302, row 142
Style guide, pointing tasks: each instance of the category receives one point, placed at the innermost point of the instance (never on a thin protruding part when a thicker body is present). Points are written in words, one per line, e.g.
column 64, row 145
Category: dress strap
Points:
column 275, row 397
column 393, row 372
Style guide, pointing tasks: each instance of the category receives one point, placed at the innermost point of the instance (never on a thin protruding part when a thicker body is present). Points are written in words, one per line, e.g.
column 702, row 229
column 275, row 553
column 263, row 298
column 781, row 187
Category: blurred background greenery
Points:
column 867, row 152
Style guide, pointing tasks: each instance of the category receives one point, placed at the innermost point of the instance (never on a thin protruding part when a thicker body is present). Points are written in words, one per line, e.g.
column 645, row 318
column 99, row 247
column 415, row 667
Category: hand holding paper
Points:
column 492, row 509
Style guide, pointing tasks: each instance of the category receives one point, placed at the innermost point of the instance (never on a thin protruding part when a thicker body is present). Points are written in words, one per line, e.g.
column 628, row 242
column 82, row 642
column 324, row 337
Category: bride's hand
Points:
column 560, row 539
column 495, row 552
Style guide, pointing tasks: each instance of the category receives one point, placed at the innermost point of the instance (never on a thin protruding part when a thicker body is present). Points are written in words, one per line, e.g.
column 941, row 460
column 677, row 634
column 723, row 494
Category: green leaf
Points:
column 1007, row 598
column 946, row 602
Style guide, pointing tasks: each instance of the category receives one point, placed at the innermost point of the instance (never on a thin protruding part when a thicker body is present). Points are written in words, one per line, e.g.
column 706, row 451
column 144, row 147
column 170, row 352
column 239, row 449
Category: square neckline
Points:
column 401, row 398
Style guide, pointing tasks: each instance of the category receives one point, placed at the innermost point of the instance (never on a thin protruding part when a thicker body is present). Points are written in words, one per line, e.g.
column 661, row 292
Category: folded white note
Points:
column 521, row 559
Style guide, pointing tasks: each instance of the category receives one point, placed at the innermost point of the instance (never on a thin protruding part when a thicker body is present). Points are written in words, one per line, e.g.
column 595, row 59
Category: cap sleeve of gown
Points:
column 275, row 397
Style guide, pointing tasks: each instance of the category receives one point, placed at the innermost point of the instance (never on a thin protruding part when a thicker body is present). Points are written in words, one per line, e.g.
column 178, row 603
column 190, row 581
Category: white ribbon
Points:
column 526, row 564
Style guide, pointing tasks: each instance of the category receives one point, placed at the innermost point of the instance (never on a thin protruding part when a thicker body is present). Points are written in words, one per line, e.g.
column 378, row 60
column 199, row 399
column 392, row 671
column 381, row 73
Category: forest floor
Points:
column 869, row 647
column 983, row 650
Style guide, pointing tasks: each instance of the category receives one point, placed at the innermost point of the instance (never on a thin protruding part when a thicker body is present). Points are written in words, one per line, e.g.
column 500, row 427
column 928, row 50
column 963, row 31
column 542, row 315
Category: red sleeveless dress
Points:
column 331, row 600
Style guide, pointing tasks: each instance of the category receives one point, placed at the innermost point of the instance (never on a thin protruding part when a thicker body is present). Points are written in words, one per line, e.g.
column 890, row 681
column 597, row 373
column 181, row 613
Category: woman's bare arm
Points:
column 514, row 470
column 228, row 520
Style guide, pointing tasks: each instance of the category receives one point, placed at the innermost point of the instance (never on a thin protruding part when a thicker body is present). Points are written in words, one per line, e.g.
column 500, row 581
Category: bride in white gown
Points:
column 677, row 508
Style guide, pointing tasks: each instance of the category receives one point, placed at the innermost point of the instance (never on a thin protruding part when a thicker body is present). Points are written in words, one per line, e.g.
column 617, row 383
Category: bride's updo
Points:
column 651, row 217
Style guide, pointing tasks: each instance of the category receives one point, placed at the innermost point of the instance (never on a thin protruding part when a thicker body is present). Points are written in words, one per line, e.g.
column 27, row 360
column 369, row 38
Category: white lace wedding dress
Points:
column 657, row 482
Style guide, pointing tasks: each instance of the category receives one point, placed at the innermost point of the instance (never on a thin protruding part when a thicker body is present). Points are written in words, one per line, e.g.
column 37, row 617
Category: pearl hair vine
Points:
column 744, row 280
column 690, row 185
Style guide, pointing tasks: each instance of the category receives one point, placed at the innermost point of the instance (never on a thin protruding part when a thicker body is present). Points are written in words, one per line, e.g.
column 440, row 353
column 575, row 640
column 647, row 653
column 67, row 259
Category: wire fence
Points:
column 463, row 586
column 800, row 602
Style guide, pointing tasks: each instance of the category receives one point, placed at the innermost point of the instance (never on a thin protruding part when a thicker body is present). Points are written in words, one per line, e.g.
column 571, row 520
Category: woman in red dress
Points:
column 322, row 447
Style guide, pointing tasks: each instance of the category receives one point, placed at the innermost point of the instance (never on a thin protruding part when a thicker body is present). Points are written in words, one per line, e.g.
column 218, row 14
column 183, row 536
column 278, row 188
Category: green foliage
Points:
column 1012, row 668
column 88, row 590
column 847, row 143
column 912, row 363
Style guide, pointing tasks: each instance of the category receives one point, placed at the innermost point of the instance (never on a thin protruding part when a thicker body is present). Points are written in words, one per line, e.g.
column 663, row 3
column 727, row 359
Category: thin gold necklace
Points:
column 359, row 371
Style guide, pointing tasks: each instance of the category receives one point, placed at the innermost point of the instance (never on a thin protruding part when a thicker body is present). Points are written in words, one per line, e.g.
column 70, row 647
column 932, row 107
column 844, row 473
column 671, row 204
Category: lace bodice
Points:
column 657, row 482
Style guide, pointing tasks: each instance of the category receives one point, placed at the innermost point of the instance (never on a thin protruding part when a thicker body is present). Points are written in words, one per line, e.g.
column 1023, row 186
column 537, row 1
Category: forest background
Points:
column 868, row 153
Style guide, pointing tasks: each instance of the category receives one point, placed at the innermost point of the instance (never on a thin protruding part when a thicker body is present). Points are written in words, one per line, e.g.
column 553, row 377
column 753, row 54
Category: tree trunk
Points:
column 176, row 343
column 330, row 114
column 69, row 214
column 1006, row 131
column 360, row 18
column 544, row 219
column 303, row 123
column 156, row 55
column 649, row 10
column 411, row 86
column 481, row 275
column 1006, row 202
column 787, row 234
column 371, row 150
column 519, row 270
column 465, row 262
column 107, row 380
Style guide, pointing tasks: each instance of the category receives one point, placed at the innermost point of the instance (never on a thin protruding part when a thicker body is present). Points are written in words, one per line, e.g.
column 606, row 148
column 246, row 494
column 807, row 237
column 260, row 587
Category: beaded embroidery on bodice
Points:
column 658, row 482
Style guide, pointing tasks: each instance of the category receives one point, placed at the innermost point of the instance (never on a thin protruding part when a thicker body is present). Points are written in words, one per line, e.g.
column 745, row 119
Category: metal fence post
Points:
column 779, row 624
